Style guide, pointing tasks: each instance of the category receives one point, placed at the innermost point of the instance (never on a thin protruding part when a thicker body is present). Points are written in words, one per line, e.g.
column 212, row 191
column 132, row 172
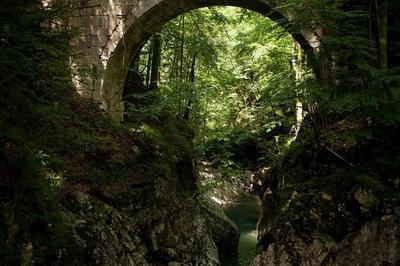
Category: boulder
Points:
column 376, row 243
column 225, row 233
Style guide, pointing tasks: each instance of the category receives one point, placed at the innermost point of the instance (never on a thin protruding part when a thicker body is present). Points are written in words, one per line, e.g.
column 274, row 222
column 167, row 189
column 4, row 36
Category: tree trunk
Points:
column 136, row 64
column 182, row 47
column 382, row 12
column 382, row 21
column 298, row 60
column 179, row 79
column 173, row 69
column 148, row 69
column 191, row 90
column 155, row 62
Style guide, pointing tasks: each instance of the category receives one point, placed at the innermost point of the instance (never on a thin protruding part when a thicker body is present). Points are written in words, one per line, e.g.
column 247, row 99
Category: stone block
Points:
column 113, row 22
column 75, row 21
column 85, row 11
column 95, row 51
column 85, row 20
column 108, row 49
column 74, row 42
column 103, row 31
column 75, row 13
column 85, row 31
column 102, row 11
column 125, row 2
column 103, row 20
column 97, row 95
column 150, row 3
column 97, row 21
column 78, row 61
column 92, row 2
column 98, row 40
column 140, row 9
column 107, row 2
column 91, row 59
column 93, row 30
column 116, row 37
column 129, row 20
column 84, row 42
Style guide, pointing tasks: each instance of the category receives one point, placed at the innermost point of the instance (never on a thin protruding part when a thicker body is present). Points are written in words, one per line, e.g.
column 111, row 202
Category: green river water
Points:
column 245, row 214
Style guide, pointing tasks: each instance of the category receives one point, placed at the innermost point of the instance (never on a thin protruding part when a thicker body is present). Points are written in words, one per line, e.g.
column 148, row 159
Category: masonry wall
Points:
column 100, row 25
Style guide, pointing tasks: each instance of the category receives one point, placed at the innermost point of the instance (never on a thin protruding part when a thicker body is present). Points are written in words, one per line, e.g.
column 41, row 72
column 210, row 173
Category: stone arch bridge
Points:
column 112, row 32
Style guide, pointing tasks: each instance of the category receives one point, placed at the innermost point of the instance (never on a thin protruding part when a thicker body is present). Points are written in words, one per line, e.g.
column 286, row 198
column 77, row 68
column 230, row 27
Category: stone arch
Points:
column 116, row 30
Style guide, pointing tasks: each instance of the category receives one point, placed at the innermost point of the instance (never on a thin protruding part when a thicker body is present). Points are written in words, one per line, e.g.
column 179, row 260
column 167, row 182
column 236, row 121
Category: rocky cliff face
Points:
column 119, row 199
column 164, row 226
column 224, row 232
column 172, row 232
column 375, row 243
column 319, row 230
column 324, row 230
column 329, row 212
column 149, row 217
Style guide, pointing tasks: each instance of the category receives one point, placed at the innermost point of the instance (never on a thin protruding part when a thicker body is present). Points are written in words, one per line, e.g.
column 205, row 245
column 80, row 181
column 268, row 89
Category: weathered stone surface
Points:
column 367, row 200
column 269, row 213
column 224, row 232
column 161, row 228
column 376, row 243
column 319, row 229
column 175, row 228
column 102, row 235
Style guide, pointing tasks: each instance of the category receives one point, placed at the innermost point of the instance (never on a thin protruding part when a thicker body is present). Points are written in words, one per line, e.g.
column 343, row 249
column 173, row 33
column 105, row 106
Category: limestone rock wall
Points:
column 167, row 231
column 325, row 221
column 224, row 232
column 376, row 243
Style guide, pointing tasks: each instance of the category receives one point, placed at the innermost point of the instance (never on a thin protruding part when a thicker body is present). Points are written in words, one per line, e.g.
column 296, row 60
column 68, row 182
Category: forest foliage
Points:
column 238, row 79
column 229, row 72
column 250, row 89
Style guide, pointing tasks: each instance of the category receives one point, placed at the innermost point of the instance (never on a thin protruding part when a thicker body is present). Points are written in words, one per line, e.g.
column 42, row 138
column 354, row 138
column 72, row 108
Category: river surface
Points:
column 245, row 214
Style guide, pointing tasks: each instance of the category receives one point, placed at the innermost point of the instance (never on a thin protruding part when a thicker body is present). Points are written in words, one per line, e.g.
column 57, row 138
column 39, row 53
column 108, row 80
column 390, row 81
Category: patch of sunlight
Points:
column 290, row 141
column 75, row 76
column 44, row 158
column 46, row 3
column 55, row 179
column 143, row 128
column 250, row 235
column 217, row 200
column 207, row 175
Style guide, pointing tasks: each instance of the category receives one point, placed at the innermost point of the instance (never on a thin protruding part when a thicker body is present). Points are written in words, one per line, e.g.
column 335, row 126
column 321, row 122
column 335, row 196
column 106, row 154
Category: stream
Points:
column 245, row 214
